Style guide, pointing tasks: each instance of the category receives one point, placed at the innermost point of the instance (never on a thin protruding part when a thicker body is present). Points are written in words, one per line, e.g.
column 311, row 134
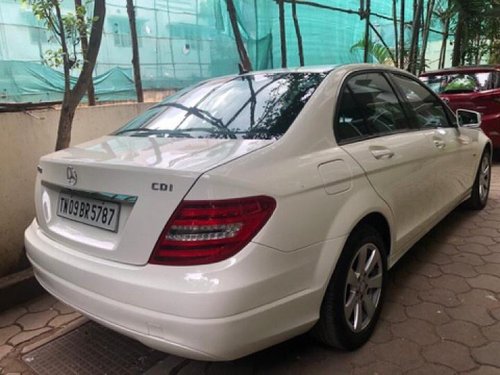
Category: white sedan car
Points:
column 249, row 209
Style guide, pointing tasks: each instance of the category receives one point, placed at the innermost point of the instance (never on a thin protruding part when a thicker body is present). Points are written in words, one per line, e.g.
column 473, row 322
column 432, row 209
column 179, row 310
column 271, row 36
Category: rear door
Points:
column 372, row 125
column 452, row 149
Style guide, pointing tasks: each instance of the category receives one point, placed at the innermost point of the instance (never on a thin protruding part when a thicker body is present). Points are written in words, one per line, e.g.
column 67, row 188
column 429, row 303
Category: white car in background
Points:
column 252, row 208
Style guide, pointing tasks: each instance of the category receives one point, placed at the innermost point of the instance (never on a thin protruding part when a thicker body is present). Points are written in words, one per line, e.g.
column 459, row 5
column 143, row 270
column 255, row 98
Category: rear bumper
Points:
column 224, row 313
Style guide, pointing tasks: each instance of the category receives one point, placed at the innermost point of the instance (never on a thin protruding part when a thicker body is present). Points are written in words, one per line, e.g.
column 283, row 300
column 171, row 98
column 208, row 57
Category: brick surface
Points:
column 454, row 283
column 4, row 350
column 431, row 312
column 483, row 240
column 418, row 331
column 450, row 354
column 63, row 308
column 382, row 333
column 489, row 269
column 485, row 370
column 486, row 282
column 431, row 369
column 472, row 313
column 394, row 312
column 492, row 332
column 401, row 295
column 41, row 303
column 8, row 332
column 10, row 316
column 443, row 297
column 459, row 269
column 493, row 258
column 479, row 297
column 468, row 258
column 426, row 269
column 36, row 320
column 27, row 335
column 465, row 333
column 403, row 353
column 488, row 354
column 378, row 368
column 435, row 257
column 62, row 320
column 475, row 249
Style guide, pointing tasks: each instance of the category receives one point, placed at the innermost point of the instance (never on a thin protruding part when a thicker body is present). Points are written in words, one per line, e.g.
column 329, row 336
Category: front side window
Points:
column 368, row 107
column 252, row 106
column 464, row 82
column 429, row 110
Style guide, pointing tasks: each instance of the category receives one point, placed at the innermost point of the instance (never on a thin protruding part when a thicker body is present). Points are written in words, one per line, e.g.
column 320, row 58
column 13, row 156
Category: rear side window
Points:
column 429, row 110
column 368, row 108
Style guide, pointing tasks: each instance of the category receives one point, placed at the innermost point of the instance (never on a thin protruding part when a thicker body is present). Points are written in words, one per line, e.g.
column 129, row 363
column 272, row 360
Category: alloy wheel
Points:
column 484, row 177
column 363, row 287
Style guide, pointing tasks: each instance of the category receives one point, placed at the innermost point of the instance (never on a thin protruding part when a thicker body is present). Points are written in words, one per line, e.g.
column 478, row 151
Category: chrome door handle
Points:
column 439, row 144
column 382, row 153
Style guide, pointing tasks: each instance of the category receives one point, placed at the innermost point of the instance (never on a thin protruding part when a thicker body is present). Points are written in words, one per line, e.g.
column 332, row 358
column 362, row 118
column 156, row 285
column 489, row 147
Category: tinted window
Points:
column 255, row 106
column 455, row 83
column 368, row 107
column 429, row 110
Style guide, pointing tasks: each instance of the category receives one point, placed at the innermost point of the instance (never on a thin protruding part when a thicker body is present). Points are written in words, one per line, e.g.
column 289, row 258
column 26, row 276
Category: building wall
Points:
column 24, row 138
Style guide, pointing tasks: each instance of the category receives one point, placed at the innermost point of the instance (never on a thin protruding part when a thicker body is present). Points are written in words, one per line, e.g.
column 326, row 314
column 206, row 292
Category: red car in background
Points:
column 476, row 88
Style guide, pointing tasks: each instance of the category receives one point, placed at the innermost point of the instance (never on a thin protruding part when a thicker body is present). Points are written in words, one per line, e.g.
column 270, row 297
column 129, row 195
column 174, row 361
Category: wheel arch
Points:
column 380, row 223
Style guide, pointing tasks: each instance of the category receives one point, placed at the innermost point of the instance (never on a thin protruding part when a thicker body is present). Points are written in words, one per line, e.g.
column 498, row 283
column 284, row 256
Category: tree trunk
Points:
column 72, row 97
column 297, row 31
column 402, row 36
column 446, row 33
column 425, row 36
column 412, row 63
column 68, row 110
column 457, row 47
column 135, row 51
column 85, row 46
column 367, row 31
column 281, row 7
column 242, row 52
column 396, row 44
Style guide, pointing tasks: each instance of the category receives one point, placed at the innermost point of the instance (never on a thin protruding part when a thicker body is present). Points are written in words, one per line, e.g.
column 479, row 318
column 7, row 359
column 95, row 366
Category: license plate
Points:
column 94, row 212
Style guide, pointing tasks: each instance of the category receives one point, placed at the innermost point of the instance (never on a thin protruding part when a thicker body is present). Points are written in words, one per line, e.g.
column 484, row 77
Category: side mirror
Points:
column 468, row 119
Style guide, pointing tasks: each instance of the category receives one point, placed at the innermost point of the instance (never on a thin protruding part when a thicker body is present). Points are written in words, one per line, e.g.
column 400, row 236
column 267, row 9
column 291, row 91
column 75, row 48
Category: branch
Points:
column 64, row 46
column 92, row 52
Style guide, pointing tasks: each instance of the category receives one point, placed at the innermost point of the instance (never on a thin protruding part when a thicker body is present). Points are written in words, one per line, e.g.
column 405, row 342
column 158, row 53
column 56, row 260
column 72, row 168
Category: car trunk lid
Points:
column 137, row 181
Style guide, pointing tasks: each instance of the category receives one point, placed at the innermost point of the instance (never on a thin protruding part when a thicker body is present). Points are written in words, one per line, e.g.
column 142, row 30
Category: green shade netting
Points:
column 182, row 42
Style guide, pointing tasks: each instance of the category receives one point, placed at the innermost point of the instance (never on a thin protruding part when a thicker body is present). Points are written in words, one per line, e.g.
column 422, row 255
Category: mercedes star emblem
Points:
column 71, row 175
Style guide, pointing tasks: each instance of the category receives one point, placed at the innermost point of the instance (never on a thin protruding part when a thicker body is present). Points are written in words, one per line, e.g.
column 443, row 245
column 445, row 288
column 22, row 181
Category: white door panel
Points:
column 451, row 152
column 399, row 167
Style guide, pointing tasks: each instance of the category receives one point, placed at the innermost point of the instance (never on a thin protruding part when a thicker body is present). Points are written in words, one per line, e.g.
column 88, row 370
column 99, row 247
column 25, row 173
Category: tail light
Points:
column 201, row 232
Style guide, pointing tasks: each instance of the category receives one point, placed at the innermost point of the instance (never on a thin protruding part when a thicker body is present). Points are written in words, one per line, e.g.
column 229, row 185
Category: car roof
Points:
column 327, row 69
column 300, row 69
column 463, row 69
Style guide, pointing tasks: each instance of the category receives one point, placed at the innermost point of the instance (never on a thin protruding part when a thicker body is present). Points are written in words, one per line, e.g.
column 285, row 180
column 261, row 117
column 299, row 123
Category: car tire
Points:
column 481, row 187
column 348, row 293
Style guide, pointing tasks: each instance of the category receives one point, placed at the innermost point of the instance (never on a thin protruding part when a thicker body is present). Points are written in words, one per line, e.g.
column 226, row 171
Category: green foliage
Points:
column 65, row 29
column 377, row 50
column 481, row 28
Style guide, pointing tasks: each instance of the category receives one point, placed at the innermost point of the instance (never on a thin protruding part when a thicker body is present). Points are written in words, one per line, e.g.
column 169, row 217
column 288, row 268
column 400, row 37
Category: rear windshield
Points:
column 463, row 82
column 255, row 106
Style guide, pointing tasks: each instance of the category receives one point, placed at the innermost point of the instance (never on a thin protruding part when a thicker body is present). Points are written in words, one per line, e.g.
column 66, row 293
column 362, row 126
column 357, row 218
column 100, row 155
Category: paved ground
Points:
column 442, row 315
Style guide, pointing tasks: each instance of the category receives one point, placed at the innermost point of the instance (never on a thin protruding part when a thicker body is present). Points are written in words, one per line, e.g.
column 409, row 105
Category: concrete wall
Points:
column 24, row 137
